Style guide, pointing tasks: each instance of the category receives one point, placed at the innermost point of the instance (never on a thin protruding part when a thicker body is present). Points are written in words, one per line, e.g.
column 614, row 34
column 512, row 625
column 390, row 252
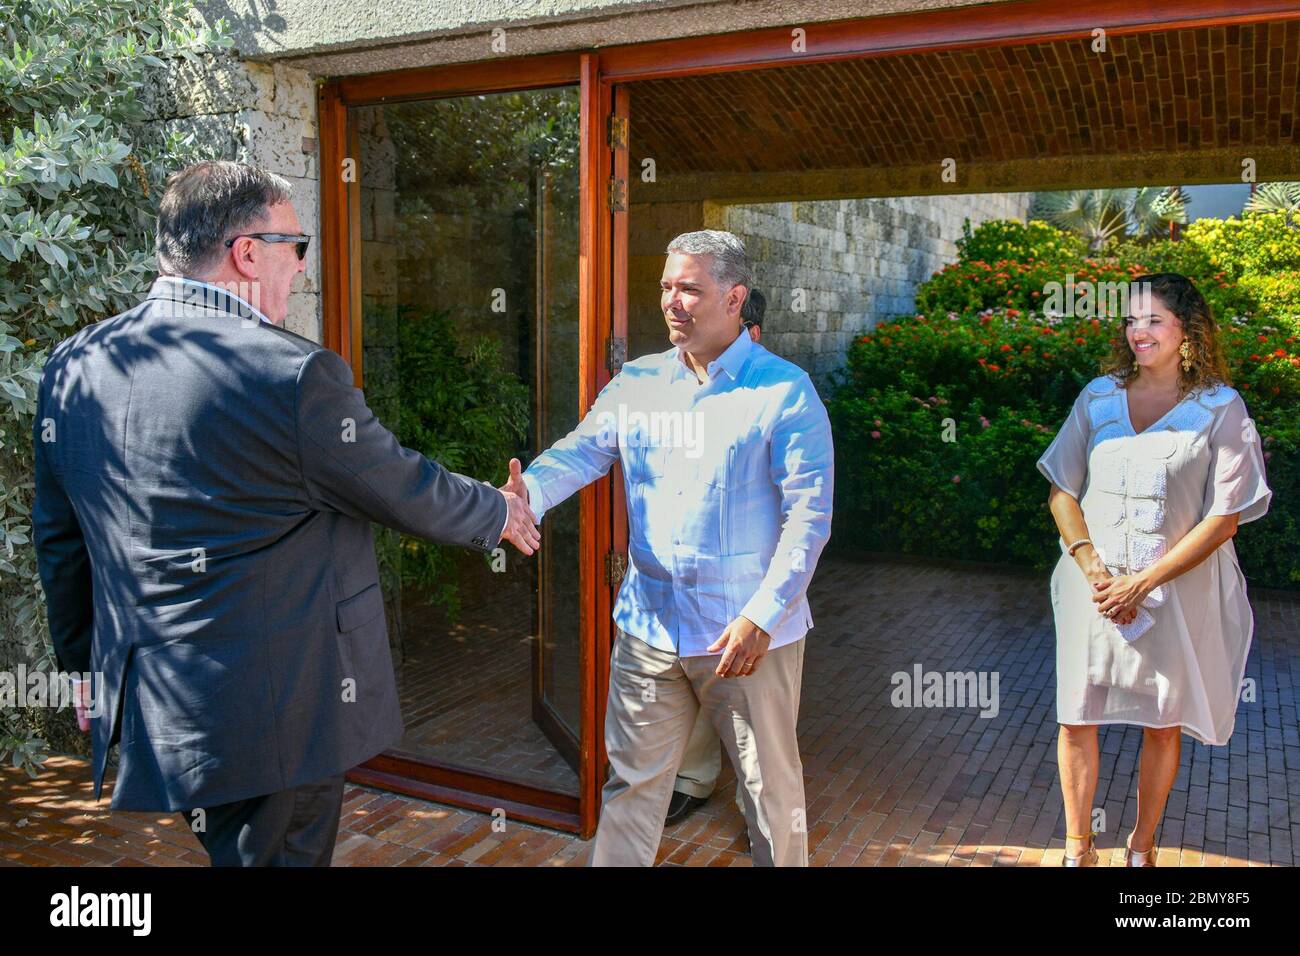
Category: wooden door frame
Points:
column 961, row 28
column 341, row 331
column 602, row 77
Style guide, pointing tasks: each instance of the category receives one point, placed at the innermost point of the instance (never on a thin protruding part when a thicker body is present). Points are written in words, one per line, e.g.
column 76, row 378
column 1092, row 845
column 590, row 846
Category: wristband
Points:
column 1077, row 545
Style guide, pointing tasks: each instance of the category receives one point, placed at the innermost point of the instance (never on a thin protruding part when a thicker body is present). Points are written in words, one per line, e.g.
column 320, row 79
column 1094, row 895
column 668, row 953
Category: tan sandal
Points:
column 1088, row 857
column 1134, row 857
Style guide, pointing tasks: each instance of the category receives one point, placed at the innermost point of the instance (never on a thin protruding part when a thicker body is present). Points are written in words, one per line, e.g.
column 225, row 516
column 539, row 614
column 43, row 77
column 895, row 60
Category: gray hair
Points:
column 730, row 261
column 207, row 203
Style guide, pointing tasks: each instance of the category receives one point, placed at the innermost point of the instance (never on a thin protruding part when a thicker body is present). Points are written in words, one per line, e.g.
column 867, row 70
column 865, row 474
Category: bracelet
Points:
column 1077, row 545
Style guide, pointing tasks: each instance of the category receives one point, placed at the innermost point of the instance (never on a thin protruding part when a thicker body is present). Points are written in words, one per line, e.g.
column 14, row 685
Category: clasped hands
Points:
column 521, row 523
column 1117, row 596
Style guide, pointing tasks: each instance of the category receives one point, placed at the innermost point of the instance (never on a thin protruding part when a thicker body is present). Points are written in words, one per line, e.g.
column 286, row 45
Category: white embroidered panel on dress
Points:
column 1102, row 385
column 1129, row 475
column 1106, row 436
column 1189, row 417
column 1146, row 478
column 1107, row 408
column 1216, row 396
column 1147, row 514
column 1105, row 511
column 1109, row 470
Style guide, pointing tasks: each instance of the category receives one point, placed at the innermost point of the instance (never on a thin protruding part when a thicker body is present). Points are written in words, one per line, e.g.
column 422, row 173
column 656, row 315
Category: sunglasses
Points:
column 300, row 241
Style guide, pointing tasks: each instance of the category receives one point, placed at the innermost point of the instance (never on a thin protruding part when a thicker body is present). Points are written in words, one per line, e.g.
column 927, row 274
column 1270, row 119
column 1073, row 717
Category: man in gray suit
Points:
column 205, row 484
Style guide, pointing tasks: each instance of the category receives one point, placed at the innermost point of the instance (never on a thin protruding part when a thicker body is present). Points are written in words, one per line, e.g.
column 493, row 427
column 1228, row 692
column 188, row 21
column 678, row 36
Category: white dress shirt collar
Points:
column 197, row 292
column 731, row 361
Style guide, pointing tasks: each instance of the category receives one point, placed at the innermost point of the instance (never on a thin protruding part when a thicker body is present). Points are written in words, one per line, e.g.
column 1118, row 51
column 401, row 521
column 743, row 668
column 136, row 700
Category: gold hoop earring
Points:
column 1185, row 350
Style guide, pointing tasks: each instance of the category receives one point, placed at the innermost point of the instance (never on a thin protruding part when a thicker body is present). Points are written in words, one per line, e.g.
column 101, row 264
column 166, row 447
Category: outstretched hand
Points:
column 521, row 525
column 515, row 483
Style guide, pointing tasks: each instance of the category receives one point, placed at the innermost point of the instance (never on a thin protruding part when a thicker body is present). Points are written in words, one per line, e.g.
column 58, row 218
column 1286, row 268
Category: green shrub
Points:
column 80, row 170
column 1260, row 254
column 456, row 404
column 1008, row 239
column 981, row 364
column 1260, row 243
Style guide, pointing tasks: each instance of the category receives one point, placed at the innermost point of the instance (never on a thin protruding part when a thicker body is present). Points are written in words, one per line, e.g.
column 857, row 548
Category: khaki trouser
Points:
column 702, row 763
column 654, row 697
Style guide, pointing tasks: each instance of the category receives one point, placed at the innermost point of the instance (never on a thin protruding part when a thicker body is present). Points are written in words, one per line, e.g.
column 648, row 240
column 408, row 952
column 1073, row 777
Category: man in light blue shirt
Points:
column 728, row 468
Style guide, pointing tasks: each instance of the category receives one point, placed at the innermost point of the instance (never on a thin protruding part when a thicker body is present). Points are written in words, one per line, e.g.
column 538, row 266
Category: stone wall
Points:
column 258, row 113
column 650, row 227
column 830, row 270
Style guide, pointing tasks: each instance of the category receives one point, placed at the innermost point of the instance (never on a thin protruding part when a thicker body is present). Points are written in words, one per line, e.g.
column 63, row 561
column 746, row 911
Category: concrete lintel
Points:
column 329, row 38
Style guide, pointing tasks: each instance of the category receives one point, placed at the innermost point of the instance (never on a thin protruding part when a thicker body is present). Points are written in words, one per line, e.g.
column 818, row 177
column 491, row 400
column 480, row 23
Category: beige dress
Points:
column 1182, row 664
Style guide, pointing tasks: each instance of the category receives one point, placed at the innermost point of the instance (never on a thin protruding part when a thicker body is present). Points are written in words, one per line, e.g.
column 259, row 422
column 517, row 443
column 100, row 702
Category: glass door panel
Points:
column 468, row 248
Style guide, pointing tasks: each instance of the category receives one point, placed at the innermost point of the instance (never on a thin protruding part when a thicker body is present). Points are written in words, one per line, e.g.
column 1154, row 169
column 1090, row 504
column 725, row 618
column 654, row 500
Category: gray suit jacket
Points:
column 202, row 525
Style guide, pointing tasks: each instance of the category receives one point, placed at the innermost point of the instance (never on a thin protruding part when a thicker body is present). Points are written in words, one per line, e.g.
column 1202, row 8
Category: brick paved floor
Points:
column 885, row 785
column 466, row 688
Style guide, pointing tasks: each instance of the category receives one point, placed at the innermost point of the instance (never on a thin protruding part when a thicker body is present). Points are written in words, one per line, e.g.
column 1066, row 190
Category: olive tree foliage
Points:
column 81, row 166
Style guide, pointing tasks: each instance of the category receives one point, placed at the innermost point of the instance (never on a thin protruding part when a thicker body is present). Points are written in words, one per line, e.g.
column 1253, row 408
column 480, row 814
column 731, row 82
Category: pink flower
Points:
column 956, row 479
column 875, row 434
column 984, row 421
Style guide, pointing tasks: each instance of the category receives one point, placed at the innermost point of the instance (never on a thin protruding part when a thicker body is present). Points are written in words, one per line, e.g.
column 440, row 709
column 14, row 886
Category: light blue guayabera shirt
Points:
column 729, row 487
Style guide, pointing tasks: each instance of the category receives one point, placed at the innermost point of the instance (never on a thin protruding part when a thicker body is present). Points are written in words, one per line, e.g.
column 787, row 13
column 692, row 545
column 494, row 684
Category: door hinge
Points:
column 615, row 567
column 617, row 194
column 618, row 132
column 615, row 353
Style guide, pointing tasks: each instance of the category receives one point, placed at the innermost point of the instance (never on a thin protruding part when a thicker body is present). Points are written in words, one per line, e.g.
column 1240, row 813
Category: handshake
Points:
column 521, row 523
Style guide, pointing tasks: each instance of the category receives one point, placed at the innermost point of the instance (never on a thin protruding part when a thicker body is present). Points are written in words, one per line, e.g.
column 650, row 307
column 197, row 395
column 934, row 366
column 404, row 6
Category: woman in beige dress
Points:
column 1152, row 472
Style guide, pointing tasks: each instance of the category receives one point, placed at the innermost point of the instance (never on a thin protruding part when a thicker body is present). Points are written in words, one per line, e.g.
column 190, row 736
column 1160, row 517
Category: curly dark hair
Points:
column 1181, row 297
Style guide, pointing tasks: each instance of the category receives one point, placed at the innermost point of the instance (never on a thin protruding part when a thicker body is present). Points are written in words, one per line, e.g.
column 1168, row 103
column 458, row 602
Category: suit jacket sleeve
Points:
column 352, row 464
column 61, row 559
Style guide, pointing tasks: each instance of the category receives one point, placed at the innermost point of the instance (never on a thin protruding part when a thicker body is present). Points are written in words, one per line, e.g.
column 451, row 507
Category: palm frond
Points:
column 1275, row 197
